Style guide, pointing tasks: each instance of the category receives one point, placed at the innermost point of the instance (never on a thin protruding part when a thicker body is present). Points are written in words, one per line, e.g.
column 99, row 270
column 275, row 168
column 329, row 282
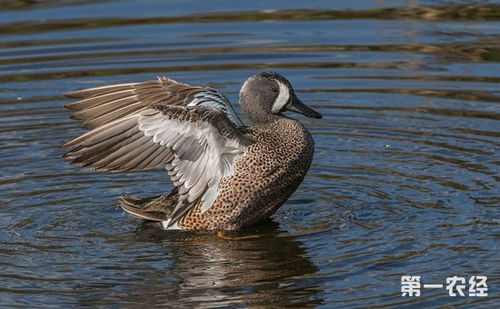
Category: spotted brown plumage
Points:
column 226, row 175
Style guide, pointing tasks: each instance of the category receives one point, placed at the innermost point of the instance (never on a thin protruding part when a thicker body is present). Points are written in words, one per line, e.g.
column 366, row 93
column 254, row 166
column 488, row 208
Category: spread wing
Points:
column 104, row 104
column 197, row 141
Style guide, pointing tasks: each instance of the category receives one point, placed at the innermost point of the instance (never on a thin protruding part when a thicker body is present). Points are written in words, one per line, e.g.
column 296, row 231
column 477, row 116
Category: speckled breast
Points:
column 264, row 178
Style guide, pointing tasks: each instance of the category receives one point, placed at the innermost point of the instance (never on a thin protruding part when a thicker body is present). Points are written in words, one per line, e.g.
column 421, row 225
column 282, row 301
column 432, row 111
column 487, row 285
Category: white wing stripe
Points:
column 202, row 157
column 212, row 98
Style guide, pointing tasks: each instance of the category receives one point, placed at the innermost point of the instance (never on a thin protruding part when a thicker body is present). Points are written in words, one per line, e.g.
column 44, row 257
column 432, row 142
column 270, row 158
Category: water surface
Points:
column 404, row 180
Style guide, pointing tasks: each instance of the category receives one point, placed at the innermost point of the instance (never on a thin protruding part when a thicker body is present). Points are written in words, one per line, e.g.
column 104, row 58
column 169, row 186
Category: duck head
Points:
column 267, row 95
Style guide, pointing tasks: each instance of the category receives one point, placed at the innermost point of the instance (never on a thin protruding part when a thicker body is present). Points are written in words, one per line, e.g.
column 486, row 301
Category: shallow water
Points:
column 404, row 180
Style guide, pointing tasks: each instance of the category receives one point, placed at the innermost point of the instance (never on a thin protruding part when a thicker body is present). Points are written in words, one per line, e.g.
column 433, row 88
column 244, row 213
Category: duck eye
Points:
column 274, row 89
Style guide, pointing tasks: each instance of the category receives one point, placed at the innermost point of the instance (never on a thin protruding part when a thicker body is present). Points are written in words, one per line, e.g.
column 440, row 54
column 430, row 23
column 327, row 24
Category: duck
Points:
column 226, row 175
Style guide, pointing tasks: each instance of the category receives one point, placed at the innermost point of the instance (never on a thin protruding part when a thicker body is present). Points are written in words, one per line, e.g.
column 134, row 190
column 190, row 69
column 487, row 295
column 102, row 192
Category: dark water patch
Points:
column 483, row 12
column 34, row 4
column 481, row 51
column 219, row 67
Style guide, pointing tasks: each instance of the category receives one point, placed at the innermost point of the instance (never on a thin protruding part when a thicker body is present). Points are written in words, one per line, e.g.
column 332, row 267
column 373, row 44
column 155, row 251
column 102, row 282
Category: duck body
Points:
column 265, row 176
column 226, row 175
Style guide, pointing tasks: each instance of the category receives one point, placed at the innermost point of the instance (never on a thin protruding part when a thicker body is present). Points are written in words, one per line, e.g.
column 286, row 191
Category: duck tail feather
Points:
column 134, row 206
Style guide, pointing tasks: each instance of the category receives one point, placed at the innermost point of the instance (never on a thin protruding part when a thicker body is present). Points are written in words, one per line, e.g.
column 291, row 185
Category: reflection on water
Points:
column 404, row 180
column 210, row 270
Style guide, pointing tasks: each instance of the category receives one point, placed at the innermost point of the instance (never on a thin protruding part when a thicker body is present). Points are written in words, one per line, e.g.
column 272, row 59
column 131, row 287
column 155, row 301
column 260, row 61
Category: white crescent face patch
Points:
column 282, row 99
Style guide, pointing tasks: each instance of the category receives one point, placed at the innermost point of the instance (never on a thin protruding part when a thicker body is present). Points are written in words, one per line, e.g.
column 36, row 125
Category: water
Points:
column 404, row 180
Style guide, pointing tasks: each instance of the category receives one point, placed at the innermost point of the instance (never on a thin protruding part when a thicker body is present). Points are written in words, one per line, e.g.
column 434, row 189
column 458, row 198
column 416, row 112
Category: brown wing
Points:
column 198, row 144
column 101, row 105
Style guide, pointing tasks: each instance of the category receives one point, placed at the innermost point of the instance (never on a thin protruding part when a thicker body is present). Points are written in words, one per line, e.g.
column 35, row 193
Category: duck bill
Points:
column 298, row 107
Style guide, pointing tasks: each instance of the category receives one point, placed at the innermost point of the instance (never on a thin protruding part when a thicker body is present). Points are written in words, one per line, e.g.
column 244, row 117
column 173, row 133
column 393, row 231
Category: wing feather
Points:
column 198, row 144
column 98, row 90
column 105, row 99
column 191, row 129
column 102, row 105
